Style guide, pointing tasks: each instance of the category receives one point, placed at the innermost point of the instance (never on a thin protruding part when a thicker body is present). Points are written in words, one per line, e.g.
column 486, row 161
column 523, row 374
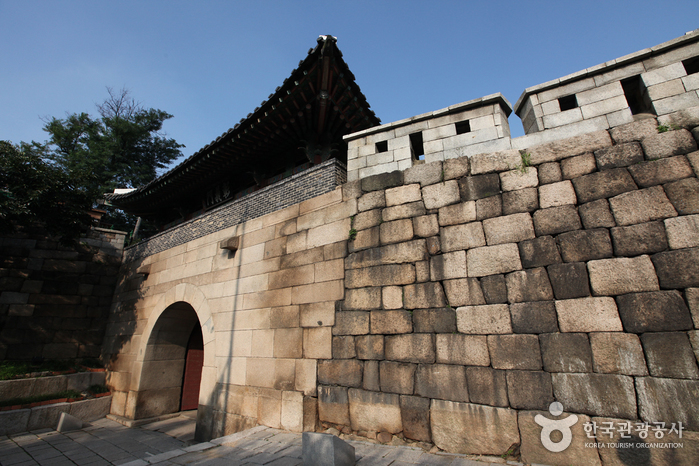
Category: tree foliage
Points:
column 33, row 190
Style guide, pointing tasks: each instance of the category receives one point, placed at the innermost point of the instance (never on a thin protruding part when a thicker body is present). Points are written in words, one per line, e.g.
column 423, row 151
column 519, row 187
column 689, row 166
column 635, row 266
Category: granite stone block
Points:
column 566, row 352
column 569, row 280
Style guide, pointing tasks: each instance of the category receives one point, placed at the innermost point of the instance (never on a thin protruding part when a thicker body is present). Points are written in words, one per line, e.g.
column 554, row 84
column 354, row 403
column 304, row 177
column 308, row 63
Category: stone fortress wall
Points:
column 451, row 300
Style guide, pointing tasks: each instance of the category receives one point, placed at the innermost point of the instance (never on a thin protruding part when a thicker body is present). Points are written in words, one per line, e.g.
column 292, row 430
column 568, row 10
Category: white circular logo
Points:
column 551, row 425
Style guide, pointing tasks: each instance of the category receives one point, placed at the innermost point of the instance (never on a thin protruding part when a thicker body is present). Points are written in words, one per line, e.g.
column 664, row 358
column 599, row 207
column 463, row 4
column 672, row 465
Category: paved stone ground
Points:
column 170, row 443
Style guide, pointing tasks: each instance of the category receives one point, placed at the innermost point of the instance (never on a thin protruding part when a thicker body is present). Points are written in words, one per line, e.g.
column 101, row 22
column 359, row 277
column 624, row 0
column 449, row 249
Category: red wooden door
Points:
column 194, row 361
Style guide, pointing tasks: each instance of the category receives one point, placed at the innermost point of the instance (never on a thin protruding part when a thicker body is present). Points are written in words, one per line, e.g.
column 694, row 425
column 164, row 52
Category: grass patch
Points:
column 22, row 369
column 39, row 398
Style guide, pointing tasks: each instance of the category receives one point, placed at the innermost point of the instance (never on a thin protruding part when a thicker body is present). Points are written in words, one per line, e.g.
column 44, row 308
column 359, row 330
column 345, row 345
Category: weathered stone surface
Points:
column 484, row 320
column 372, row 411
column 423, row 295
column 495, row 161
column 549, row 172
column 441, row 194
column 382, row 181
column 387, row 322
column 362, row 299
column 449, row 265
column 425, row 226
column 413, row 209
column 634, row 131
column 661, row 171
column 596, row 394
column 413, row 347
column 534, row 452
column 588, row 315
column 456, row 168
column 422, row 271
column 370, row 347
column 458, row 237
column 508, row 229
column 539, row 252
column 397, row 377
column 351, row 323
column 489, row 207
column 396, row 231
column 578, row 166
column 345, row 372
column 434, row 320
column 692, row 297
column 457, row 214
column 528, row 285
column 585, row 245
column 517, row 179
column 668, row 144
column 514, row 352
column 682, row 232
column 558, row 150
column 522, row 200
column 343, row 347
column 669, row 354
column 640, row 206
column 678, row 268
column 473, row 429
column 441, row 381
column 569, row 280
column 372, row 200
column 383, row 275
column 425, row 174
column 566, row 352
column 534, row 317
column 643, row 238
column 415, row 413
column 494, row 289
column 556, row 220
column 603, row 184
column 411, row 251
column 529, row 389
column 609, row 277
column 556, row 194
column 668, row 400
column 617, row 353
column 470, row 350
column 478, row 187
column 487, row 386
column 684, row 195
column 402, row 194
column 621, row 155
column 318, row 448
column 434, row 246
column 657, row 311
column 392, row 297
column 464, row 292
column 333, row 405
column 491, row 260
column 596, row 214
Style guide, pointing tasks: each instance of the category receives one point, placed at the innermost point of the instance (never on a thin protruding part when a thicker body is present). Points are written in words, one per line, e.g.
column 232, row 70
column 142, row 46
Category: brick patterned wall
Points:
column 477, row 294
column 311, row 183
column 54, row 301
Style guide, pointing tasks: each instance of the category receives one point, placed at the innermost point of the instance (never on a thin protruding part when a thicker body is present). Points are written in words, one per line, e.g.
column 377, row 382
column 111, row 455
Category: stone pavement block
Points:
column 642, row 238
column 326, row 450
column 566, row 352
column 569, row 280
column 585, row 245
column 473, row 429
column 593, row 314
column 661, row 171
column 668, row 144
column 621, row 155
column 529, row 389
column 484, row 320
column 669, row 354
column 656, row 311
column 617, row 353
column 609, row 277
column 603, row 184
column 678, row 268
column 684, row 195
column 528, row 285
column 596, row 394
column 556, row 220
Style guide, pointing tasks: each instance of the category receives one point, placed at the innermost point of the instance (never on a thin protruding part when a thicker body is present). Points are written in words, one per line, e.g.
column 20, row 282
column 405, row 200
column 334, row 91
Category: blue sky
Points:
column 210, row 63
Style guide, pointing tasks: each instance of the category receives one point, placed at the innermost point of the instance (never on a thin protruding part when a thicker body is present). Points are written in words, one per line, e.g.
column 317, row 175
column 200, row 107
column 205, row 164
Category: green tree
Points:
column 34, row 191
column 122, row 149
